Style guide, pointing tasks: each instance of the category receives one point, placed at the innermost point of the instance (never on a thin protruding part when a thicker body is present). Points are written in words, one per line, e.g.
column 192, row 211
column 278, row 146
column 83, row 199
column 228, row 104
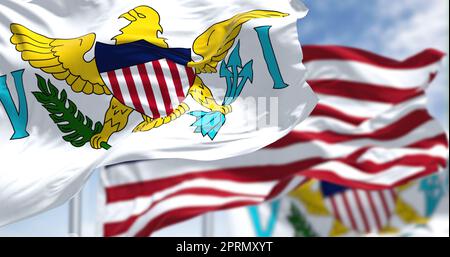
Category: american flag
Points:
column 371, row 130
column 365, row 211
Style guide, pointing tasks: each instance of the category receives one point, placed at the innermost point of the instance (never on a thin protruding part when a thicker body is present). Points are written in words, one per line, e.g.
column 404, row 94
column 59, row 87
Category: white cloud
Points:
column 412, row 25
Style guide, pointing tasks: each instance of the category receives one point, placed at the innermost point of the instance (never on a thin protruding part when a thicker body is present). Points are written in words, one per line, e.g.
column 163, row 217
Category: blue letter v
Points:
column 17, row 116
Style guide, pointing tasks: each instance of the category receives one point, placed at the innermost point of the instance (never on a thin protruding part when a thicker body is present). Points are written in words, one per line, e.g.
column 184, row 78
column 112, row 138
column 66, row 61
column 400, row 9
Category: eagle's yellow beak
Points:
column 140, row 12
column 132, row 15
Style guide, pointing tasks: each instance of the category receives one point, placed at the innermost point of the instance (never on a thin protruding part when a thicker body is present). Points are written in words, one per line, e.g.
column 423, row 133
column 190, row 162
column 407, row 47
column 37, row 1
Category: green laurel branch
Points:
column 77, row 128
column 300, row 224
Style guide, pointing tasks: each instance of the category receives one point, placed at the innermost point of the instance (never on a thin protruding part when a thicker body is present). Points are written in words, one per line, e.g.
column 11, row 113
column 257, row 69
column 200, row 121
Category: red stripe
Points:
column 132, row 89
column 318, row 53
column 394, row 196
column 392, row 131
column 335, row 209
column 278, row 189
column 349, row 211
column 387, row 212
column 191, row 75
column 413, row 160
column 431, row 142
column 148, row 90
column 176, row 80
column 362, row 91
column 178, row 215
column 282, row 185
column 374, row 210
column 322, row 110
column 115, row 86
column 362, row 211
column 122, row 226
column 295, row 137
column 182, row 214
column 163, row 87
column 330, row 176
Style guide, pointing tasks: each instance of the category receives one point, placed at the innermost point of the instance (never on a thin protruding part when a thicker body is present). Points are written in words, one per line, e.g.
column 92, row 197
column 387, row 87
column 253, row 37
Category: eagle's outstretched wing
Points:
column 214, row 43
column 62, row 58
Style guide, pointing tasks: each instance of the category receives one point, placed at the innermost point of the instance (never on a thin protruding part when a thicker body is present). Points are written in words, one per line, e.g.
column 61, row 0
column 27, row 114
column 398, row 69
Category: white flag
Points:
column 80, row 88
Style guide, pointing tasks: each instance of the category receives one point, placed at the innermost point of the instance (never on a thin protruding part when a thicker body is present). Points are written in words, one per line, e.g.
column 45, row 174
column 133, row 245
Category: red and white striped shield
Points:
column 154, row 88
column 361, row 210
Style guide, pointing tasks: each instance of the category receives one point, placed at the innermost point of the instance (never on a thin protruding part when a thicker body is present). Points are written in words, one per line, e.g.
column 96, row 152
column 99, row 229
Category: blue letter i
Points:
column 269, row 57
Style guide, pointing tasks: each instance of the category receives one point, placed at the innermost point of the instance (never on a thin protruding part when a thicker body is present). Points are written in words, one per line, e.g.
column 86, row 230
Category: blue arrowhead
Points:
column 246, row 74
column 224, row 72
column 235, row 60
column 247, row 71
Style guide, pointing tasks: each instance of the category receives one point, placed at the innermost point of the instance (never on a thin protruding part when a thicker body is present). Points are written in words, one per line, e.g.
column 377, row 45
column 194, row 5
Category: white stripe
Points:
column 156, row 89
column 357, row 215
column 425, row 130
column 318, row 124
column 124, row 88
column 328, row 204
column 354, row 107
column 389, row 200
column 181, row 202
column 184, row 78
column 386, row 177
column 118, row 211
column 107, row 81
column 367, row 209
column 379, row 207
column 370, row 74
column 170, row 83
column 342, row 211
column 140, row 90
column 382, row 155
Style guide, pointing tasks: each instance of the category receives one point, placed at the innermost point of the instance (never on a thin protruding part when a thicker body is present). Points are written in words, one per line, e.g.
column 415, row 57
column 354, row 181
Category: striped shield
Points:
column 361, row 210
column 149, row 79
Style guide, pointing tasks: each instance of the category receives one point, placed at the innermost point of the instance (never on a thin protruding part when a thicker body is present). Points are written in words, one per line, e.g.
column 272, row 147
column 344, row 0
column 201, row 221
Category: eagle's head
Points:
column 144, row 25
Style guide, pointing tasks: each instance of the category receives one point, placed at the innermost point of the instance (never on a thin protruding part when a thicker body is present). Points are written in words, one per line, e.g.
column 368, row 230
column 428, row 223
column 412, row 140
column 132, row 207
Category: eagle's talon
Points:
column 97, row 140
column 228, row 109
column 224, row 109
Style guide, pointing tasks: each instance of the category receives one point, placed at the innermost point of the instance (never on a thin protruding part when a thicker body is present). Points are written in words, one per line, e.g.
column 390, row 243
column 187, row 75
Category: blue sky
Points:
column 393, row 28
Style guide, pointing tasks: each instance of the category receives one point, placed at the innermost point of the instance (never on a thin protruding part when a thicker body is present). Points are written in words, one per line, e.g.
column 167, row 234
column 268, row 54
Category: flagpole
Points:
column 75, row 215
column 208, row 225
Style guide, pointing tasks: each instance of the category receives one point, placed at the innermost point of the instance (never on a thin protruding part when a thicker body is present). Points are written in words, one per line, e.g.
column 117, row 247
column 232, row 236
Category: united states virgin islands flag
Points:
column 81, row 89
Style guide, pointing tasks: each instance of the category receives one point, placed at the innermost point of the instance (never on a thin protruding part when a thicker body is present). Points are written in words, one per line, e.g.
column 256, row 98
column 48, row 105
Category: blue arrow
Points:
column 246, row 74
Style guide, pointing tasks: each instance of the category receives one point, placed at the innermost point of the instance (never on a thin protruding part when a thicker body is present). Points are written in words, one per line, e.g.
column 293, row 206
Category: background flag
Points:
column 419, row 208
column 370, row 131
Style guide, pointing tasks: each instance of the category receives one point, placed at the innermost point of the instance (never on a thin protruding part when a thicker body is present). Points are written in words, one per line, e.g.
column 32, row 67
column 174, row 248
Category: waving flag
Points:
column 319, row 208
column 81, row 88
column 370, row 131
